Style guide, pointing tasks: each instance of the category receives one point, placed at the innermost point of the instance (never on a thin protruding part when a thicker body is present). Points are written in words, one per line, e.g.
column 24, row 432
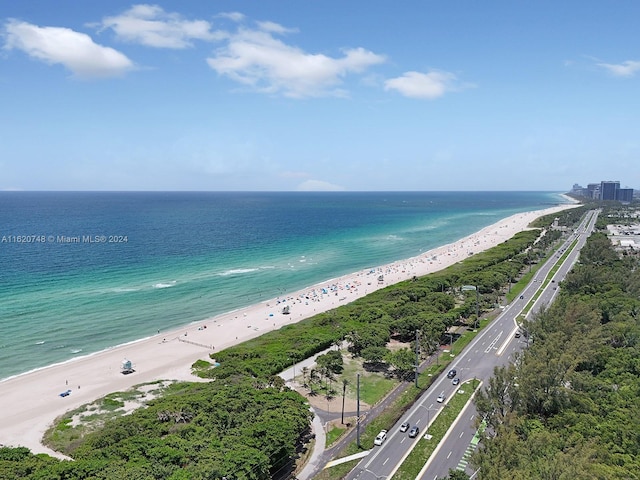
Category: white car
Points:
column 440, row 398
column 382, row 436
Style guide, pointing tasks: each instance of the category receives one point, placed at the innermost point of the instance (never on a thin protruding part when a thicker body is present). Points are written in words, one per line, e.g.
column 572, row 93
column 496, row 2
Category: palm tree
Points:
column 313, row 375
column 344, row 390
column 328, row 376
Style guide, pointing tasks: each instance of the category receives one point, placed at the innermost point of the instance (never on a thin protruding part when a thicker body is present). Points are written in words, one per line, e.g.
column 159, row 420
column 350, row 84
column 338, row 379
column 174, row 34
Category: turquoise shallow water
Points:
column 81, row 272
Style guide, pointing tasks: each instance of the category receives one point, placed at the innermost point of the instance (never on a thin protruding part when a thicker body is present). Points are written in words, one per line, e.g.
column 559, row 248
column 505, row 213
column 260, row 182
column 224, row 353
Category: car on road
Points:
column 382, row 436
column 455, row 381
column 440, row 398
column 521, row 297
column 452, row 373
column 517, row 335
column 404, row 427
column 413, row 433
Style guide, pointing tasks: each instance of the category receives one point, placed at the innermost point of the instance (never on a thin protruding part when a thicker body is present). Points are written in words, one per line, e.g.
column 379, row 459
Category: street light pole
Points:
column 474, row 287
column 417, row 356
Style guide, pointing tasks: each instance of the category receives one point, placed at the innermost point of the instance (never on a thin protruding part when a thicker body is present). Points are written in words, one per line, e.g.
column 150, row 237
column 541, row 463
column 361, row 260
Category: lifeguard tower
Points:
column 127, row 367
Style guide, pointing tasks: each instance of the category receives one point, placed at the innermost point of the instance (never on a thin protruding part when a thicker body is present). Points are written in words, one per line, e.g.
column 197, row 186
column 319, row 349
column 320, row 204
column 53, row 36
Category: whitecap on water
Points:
column 238, row 271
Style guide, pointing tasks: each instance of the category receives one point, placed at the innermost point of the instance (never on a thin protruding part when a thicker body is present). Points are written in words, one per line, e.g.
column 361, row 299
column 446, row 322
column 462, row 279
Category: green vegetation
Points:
column 569, row 406
column 335, row 433
column 195, row 430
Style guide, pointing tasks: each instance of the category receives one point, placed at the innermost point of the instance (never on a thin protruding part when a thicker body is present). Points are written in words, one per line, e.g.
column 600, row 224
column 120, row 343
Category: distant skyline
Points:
column 332, row 95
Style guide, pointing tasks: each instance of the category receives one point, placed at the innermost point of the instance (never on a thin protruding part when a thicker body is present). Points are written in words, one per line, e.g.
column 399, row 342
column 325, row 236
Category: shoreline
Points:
column 33, row 397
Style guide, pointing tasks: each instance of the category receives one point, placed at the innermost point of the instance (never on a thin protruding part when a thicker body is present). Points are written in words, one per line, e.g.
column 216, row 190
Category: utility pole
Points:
column 417, row 355
column 477, row 307
column 358, row 410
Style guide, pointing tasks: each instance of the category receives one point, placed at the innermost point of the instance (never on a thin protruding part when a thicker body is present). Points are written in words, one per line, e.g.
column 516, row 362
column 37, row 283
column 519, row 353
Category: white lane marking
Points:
column 493, row 343
column 508, row 339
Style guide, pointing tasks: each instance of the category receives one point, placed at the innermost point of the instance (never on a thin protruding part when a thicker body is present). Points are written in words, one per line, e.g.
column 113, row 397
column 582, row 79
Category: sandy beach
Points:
column 31, row 402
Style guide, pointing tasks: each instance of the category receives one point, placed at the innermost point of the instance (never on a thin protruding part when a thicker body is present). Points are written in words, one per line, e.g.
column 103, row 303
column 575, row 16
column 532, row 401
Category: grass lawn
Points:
column 335, row 433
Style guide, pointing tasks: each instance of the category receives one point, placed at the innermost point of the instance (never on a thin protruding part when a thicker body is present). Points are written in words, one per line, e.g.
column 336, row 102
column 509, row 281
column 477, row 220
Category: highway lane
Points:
column 494, row 346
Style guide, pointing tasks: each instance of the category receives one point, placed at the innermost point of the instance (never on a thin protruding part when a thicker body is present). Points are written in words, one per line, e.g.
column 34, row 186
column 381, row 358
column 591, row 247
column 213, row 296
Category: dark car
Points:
column 413, row 433
column 517, row 335
column 452, row 373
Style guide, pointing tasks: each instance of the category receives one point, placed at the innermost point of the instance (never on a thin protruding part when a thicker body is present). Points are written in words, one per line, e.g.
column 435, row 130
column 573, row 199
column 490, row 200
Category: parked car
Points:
column 440, row 398
column 404, row 427
column 455, row 381
column 452, row 373
column 517, row 335
column 413, row 433
column 382, row 436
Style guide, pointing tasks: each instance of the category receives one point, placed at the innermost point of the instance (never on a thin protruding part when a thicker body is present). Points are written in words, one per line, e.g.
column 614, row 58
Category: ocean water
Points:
column 85, row 271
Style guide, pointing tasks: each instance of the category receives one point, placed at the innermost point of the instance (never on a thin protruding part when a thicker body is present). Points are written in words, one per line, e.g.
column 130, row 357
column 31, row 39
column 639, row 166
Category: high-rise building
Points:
column 625, row 195
column 609, row 190
column 593, row 190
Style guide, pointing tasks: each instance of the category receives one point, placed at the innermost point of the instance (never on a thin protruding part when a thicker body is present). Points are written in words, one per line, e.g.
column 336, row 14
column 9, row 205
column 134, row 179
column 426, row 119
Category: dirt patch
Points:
column 395, row 345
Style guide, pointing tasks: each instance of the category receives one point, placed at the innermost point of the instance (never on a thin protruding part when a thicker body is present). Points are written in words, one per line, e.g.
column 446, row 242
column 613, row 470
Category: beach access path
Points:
column 31, row 402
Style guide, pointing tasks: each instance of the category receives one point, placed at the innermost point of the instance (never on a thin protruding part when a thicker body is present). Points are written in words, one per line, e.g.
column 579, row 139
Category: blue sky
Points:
column 318, row 95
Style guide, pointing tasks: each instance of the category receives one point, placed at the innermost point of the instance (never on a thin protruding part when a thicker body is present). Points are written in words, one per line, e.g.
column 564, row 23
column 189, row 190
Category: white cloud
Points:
column 422, row 85
column 75, row 50
column 150, row 25
column 273, row 27
column 624, row 69
column 318, row 186
column 258, row 60
column 234, row 16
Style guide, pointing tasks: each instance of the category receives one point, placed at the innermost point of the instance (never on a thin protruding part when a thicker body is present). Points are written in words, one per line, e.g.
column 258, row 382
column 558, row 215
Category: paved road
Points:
column 494, row 346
